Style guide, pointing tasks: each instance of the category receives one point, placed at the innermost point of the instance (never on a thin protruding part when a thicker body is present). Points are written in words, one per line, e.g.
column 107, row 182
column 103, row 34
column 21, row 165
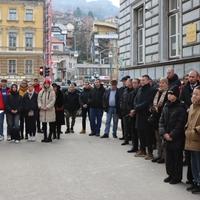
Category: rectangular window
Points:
column 28, row 67
column 12, row 14
column 12, row 68
column 140, row 35
column 174, row 29
column 29, row 41
column 12, row 40
column 173, row 5
column 55, row 47
column 29, row 15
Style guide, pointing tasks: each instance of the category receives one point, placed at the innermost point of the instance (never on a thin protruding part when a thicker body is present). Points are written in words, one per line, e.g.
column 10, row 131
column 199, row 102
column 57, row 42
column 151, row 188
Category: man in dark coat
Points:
column 59, row 108
column 71, row 106
column 171, row 127
column 173, row 79
column 30, row 106
column 143, row 100
column 84, row 103
column 96, row 107
column 133, row 131
column 126, row 106
column 121, row 91
column 185, row 97
column 111, row 106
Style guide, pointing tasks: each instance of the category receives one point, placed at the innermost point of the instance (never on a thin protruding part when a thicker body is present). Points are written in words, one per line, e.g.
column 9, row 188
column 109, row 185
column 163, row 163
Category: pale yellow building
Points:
column 21, row 39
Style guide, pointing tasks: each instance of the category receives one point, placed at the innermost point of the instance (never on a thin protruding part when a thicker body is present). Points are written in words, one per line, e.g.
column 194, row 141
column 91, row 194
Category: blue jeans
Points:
column 96, row 115
column 1, row 123
column 112, row 113
column 195, row 164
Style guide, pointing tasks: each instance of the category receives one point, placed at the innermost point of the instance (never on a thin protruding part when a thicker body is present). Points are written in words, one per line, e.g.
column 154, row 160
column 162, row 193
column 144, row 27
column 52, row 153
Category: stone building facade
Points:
column 157, row 34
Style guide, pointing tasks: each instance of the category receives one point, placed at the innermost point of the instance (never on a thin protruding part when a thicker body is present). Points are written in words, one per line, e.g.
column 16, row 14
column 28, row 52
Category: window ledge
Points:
column 12, row 48
column 29, row 21
column 12, row 20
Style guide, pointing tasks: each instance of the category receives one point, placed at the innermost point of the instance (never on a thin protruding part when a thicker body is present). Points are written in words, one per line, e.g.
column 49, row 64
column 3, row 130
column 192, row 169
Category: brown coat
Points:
column 192, row 132
column 46, row 99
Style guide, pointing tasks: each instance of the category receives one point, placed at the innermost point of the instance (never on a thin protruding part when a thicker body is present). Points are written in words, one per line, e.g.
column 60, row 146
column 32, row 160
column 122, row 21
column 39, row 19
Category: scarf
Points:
column 157, row 103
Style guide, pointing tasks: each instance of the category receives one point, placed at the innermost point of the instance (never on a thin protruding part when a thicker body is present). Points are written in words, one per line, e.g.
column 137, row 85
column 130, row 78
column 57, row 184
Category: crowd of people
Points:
column 160, row 119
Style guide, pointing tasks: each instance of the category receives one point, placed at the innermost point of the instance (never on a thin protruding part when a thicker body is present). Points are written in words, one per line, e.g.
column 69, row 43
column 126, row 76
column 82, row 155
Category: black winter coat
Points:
column 172, row 121
column 59, row 108
column 96, row 97
column 186, row 95
column 30, row 104
column 142, row 103
column 71, row 101
column 14, row 102
column 106, row 100
column 174, row 81
column 127, row 101
column 84, row 97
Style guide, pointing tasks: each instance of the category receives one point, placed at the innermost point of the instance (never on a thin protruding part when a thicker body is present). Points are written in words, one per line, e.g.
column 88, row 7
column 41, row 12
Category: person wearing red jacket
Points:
column 4, row 91
column 37, row 89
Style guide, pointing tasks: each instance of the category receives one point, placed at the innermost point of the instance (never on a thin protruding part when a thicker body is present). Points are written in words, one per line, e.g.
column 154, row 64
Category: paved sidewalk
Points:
column 79, row 167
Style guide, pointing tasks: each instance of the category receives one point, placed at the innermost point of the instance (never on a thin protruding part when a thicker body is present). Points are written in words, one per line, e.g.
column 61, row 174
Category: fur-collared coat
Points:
column 46, row 99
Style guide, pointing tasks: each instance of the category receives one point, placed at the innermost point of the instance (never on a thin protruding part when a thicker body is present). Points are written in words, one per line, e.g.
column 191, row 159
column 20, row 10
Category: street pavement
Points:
column 79, row 167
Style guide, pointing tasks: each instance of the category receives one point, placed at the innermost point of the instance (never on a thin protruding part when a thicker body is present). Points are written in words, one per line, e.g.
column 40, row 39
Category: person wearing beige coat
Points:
column 46, row 102
column 192, row 142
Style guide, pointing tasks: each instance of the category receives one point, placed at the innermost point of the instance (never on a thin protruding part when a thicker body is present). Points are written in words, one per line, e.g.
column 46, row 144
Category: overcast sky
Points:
column 115, row 2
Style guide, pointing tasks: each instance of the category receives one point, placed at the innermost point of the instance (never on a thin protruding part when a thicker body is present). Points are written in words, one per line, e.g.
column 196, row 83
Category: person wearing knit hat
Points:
column 46, row 102
column 171, row 128
column 174, row 91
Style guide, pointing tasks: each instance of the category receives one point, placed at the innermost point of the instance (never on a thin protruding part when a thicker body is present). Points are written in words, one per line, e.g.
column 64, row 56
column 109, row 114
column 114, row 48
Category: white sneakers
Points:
column 31, row 139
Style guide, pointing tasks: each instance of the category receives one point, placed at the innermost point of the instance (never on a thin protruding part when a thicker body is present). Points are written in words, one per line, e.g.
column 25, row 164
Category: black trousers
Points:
column 174, row 163
column 30, row 123
column 38, row 121
column 127, row 128
column 73, row 116
column 22, row 125
column 122, row 126
column 188, row 162
column 85, row 111
column 51, row 129
column 56, row 130
column 134, row 135
column 146, row 139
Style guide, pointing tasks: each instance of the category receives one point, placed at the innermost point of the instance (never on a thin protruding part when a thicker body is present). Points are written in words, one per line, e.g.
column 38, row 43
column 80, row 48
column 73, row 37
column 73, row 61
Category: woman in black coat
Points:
column 171, row 127
column 13, row 108
column 30, row 107
column 60, row 120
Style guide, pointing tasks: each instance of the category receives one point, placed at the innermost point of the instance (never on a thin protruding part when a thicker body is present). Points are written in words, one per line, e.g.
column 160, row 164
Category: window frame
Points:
column 10, row 15
column 140, row 28
column 27, row 41
column 26, row 15
column 177, row 35
column 12, row 40
column 12, row 69
column 28, row 66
